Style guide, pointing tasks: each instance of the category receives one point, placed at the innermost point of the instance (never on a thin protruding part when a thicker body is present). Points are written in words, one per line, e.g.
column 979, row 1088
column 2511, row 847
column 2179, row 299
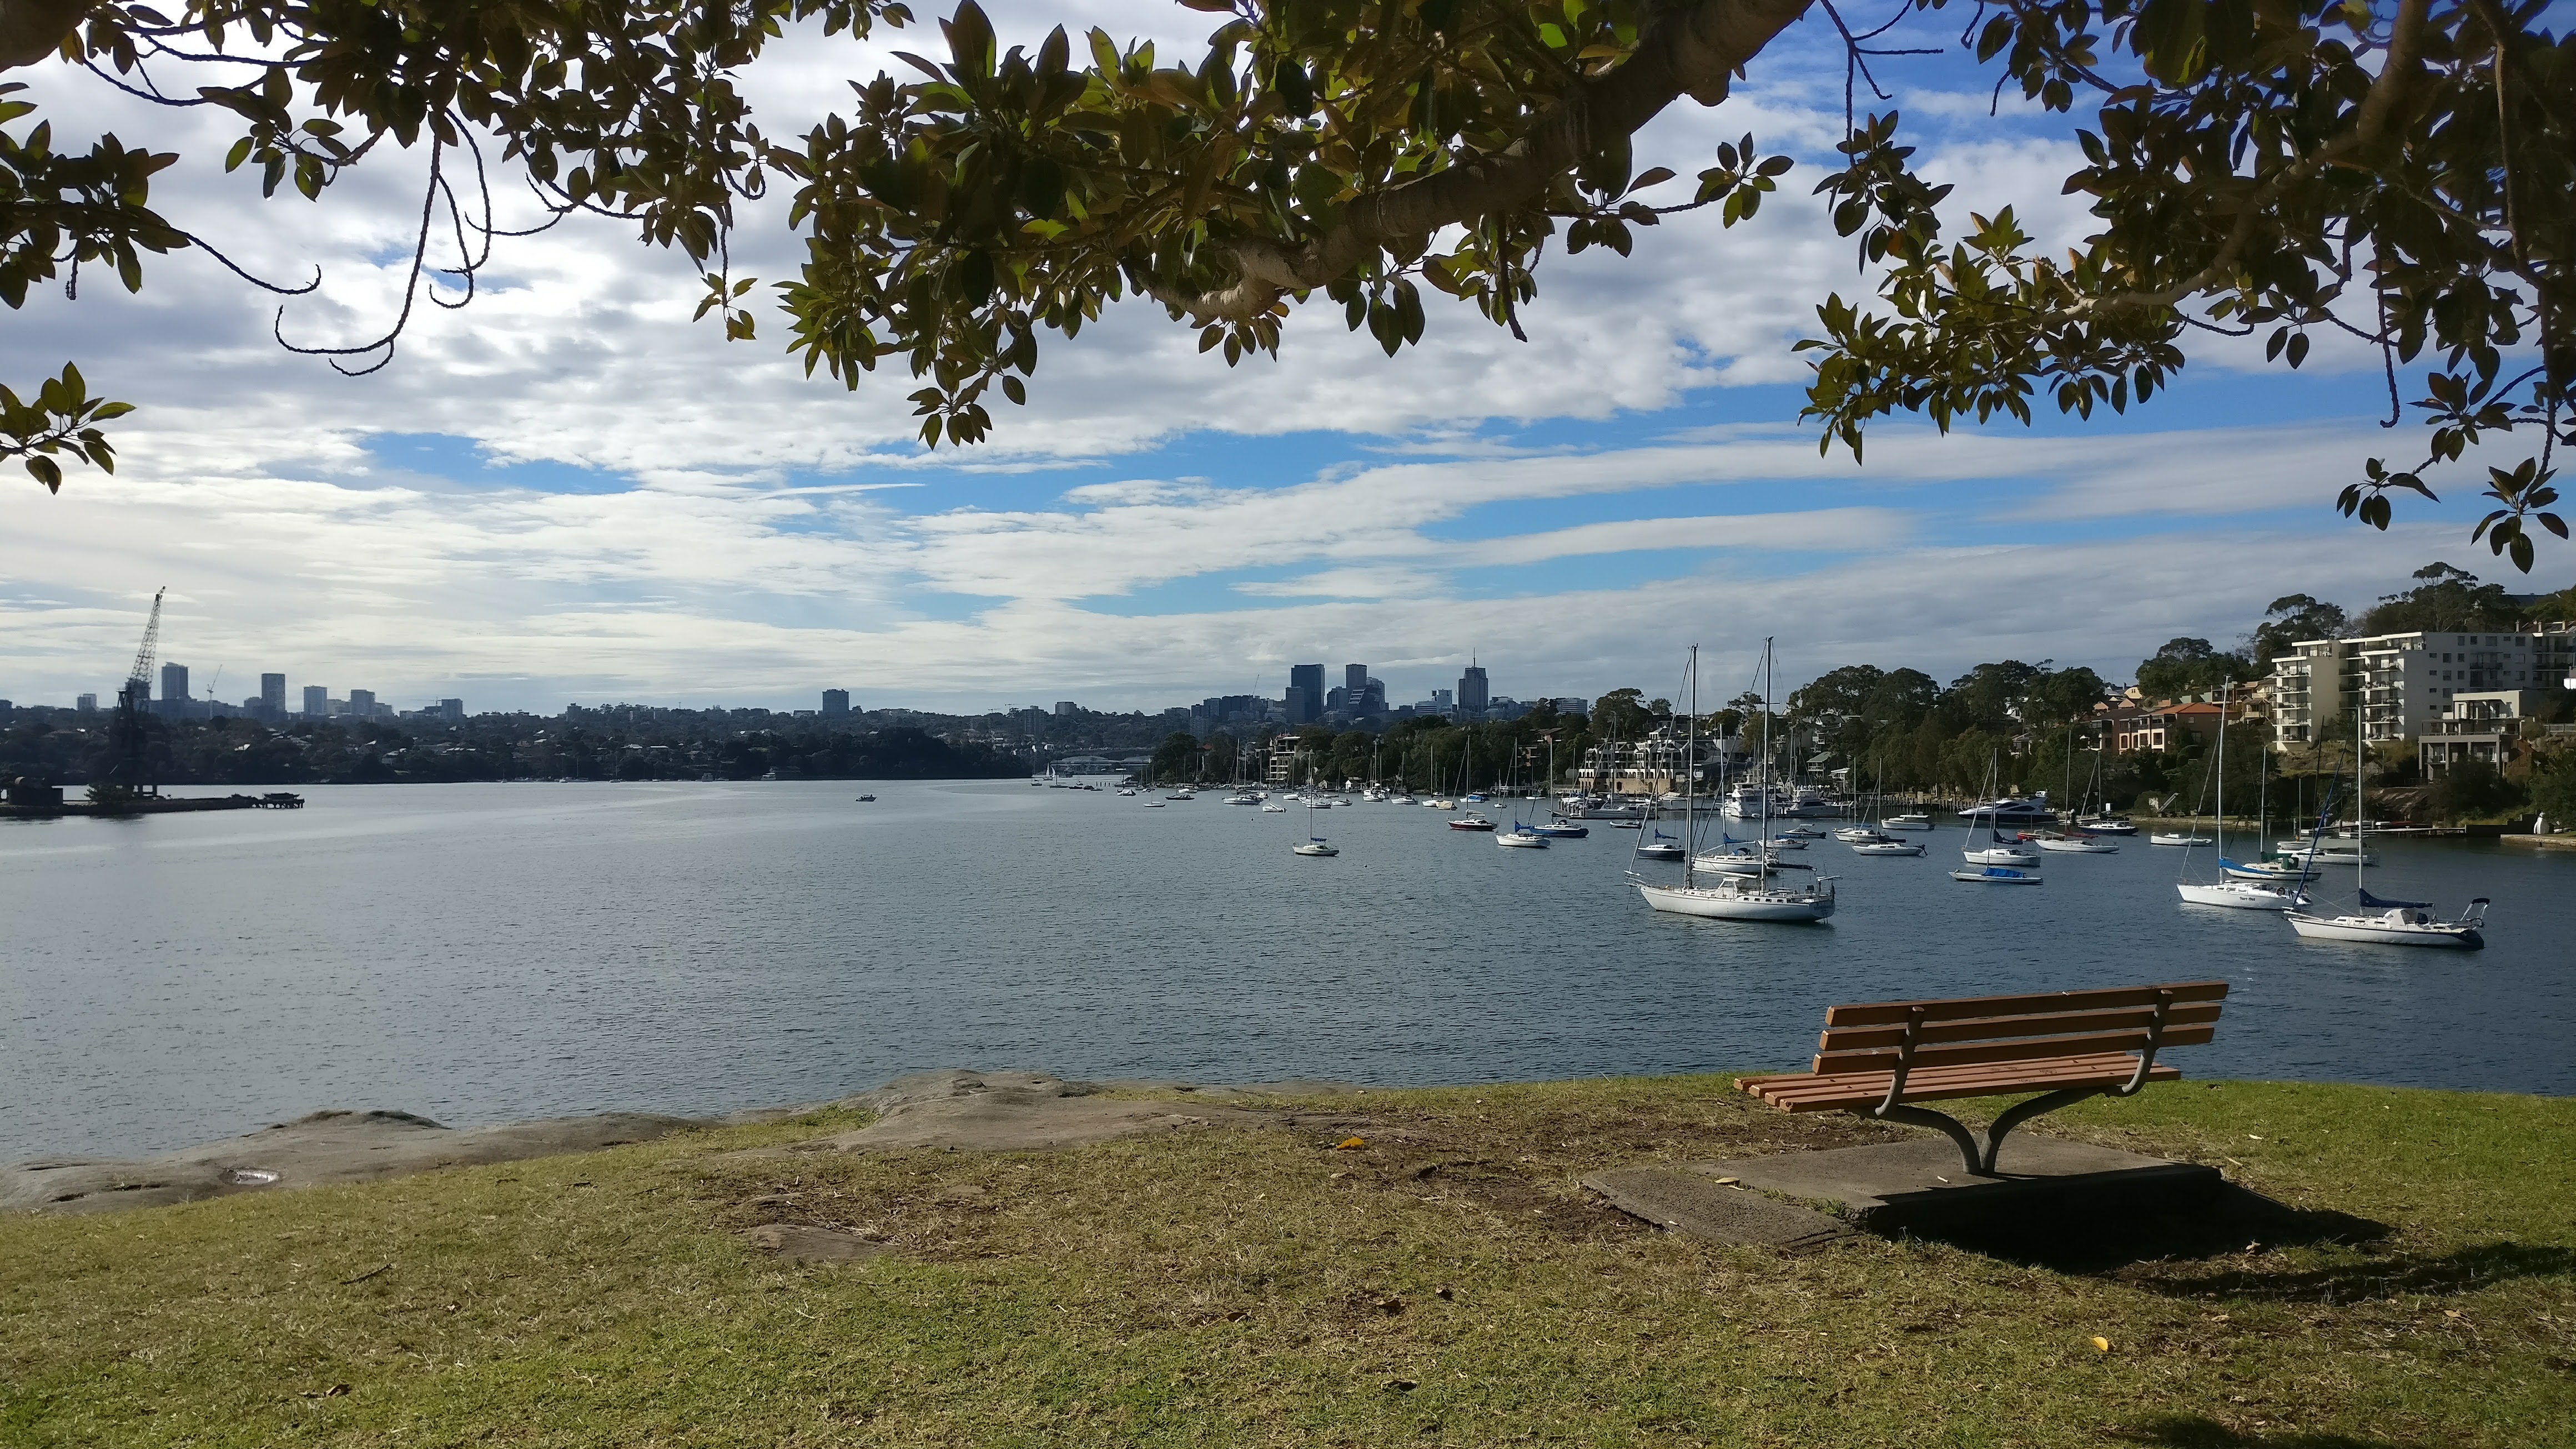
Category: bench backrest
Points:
column 1962, row 1031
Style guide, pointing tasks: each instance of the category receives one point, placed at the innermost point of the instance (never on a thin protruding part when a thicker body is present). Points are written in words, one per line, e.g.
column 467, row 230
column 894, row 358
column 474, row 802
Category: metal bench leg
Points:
column 1926, row 1117
column 2021, row 1112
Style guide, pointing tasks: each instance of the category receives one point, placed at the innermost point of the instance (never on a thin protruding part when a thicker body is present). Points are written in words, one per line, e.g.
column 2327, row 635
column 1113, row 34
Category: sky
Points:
column 569, row 492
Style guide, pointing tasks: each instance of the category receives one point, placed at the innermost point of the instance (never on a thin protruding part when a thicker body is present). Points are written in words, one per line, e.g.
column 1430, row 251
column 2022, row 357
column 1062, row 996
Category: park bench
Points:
column 1877, row 1058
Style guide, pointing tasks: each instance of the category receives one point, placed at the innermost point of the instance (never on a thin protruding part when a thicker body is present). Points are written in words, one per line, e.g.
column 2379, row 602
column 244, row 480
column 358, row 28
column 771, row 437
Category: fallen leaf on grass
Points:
column 2101, row 1344
column 1347, row 1143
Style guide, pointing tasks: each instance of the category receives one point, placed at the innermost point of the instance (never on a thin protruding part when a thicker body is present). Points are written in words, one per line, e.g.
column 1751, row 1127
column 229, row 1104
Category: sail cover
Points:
column 2375, row 902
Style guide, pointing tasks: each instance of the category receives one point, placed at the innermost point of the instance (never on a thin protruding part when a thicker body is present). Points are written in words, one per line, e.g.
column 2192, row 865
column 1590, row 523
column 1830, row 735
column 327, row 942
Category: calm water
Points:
column 483, row 952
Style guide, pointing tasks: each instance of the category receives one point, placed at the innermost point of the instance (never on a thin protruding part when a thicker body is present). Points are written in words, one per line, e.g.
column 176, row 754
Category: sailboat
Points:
column 2243, row 895
column 1730, row 897
column 2373, row 919
column 1999, row 861
column 1662, row 847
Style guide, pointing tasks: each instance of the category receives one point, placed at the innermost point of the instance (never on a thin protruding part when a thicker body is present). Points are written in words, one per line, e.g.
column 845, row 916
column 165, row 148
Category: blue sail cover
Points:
column 2368, row 899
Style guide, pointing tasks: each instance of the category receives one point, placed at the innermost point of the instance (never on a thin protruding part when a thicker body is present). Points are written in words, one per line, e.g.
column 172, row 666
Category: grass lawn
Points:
column 1447, row 1284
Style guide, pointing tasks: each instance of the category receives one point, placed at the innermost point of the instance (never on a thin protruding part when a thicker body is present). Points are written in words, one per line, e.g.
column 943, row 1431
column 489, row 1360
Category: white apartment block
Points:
column 2406, row 683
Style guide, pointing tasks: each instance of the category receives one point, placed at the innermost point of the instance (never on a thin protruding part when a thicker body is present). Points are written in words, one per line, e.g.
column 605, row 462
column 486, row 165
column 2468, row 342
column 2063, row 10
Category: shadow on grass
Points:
column 2190, row 1431
column 2105, row 1240
column 2376, row 1277
column 2222, row 1250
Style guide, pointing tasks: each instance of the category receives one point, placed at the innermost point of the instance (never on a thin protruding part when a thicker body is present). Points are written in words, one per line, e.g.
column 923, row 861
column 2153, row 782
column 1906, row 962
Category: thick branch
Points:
column 1691, row 49
column 34, row 30
column 2369, row 119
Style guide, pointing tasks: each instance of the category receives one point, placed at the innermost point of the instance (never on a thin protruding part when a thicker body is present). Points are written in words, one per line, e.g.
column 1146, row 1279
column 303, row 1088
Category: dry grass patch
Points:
column 1446, row 1283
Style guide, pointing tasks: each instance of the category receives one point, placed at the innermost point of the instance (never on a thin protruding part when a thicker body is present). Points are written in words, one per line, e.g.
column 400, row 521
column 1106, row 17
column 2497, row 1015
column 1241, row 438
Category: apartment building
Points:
column 2404, row 684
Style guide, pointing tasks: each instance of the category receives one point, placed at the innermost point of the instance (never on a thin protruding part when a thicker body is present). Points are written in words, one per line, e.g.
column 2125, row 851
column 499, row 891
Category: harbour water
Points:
column 479, row 953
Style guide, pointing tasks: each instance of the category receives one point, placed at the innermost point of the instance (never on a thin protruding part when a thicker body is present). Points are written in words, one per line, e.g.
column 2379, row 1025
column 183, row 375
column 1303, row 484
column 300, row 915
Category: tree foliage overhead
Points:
column 2398, row 171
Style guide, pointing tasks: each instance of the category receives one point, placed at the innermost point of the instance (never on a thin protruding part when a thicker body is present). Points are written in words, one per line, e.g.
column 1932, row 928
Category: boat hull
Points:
column 1888, row 847
column 1996, row 875
column 2378, row 931
column 2238, row 896
column 1720, row 903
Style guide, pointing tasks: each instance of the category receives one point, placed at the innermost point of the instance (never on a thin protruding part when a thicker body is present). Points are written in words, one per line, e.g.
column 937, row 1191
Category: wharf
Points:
column 155, row 805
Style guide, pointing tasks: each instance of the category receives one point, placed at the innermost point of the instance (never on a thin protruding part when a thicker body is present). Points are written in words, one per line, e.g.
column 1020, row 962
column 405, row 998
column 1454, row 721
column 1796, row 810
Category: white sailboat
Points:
column 1732, row 897
column 2232, row 892
column 1998, row 861
column 2375, row 920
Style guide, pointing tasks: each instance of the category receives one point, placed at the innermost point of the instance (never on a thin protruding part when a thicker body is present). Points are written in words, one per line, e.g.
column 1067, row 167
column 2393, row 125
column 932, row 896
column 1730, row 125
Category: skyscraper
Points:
column 174, row 683
column 836, row 702
column 87, row 704
column 362, row 703
column 272, row 692
column 1354, row 682
column 1471, row 689
column 317, row 701
column 1306, row 693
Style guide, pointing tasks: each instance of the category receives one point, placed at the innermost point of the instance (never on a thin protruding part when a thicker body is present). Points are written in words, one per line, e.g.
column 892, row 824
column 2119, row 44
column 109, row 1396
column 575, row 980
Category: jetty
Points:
column 32, row 803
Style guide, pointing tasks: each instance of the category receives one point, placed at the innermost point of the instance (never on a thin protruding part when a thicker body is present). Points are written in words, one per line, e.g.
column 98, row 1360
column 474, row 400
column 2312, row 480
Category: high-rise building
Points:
column 174, row 683
column 317, row 701
column 272, row 692
column 1471, row 689
column 362, row 703
column 836, row 702
column 1306, row 693
column 453, row 709
column 86, row 704
column 1354, row 682
column 1064, row 709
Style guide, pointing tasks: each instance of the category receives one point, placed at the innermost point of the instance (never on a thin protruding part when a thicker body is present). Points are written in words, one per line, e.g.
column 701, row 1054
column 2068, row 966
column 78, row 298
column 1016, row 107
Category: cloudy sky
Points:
column 570, row 492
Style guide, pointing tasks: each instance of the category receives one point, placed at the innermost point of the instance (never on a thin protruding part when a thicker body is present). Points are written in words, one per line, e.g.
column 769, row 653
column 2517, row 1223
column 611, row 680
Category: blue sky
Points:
column 569, row 492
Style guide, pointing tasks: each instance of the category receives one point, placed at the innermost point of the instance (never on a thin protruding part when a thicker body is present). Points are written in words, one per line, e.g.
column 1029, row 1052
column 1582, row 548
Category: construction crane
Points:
column 127, row 766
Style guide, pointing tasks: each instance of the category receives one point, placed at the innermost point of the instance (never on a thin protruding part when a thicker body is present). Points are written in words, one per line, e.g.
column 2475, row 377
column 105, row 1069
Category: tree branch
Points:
column 2370, row 118
column 1691, row 49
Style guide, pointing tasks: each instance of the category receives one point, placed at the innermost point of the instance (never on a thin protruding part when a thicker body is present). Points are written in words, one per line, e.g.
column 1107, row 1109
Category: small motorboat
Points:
column 2077, row 844
column 1784, row 841
column 1471, row 821
column 1562, row 829
column 1274, row 809
column 1907, row 822
column 1888, row 847
column 1156, row 805
column 1404, row 800
column 1438, row 804
column 1126, row 790
column 1798, row 832
column 867, row 799
column 1627, row 824
column 1860, row 835
column 1182, row 795
column 1997, row 875
column 2107, row 825
column 2179, row 837
column 1315, row 846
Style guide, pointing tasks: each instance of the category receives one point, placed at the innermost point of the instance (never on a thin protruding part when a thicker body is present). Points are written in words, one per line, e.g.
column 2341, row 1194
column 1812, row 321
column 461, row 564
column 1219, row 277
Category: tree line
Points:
column 67, row 748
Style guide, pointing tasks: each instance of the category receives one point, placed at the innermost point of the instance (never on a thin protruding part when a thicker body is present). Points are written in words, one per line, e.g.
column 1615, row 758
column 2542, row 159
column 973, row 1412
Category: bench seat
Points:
column 1843, row 1091
column 1877, row 1059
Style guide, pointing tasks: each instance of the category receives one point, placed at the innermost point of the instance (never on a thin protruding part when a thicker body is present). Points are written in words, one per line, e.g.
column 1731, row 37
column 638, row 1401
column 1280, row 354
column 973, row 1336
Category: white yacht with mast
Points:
column 2227, row 890
column 2374, row 920
column 1731, row 897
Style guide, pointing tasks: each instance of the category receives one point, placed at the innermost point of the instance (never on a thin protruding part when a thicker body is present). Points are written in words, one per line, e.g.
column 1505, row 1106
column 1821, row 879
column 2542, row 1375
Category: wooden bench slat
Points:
column 1804, row 1085
column 1879, row 1013
column 1841, row 1091
column 2031, row 1050
column 1986, row 1028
